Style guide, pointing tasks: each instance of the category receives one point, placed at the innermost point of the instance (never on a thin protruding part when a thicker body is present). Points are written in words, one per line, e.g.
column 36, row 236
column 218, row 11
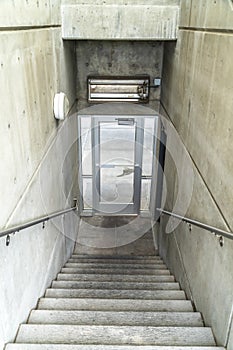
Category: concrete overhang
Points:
column 128, row 20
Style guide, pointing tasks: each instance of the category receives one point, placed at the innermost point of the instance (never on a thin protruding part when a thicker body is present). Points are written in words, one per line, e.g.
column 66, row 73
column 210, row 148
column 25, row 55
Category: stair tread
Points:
column 158, row 260
column 114, row 304
column 118, row 271
column 121, row 318
column 24, row 346
column 133, row 257
column 111, row 302
column 147, row 335
column 120, row 278
column 116, row 265
column 65, row 281
column 115, row 293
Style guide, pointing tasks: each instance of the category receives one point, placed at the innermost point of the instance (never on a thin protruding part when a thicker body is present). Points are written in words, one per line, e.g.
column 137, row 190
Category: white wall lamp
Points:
column 60, row 106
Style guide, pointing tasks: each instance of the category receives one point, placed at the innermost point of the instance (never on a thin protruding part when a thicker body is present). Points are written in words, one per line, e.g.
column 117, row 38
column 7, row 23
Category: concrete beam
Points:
column 120, row 22
column 121, row 2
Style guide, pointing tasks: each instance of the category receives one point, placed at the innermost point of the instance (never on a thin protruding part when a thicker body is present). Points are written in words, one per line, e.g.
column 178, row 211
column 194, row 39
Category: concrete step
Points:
column 116, row 257
column 158, row 260
column 113, row 304
column 66, row 281
column 104, row 347
column 120, row 318
column 116, row 294
column 108, row 265
column 113, row 335
column 112, row 278
column 117, row 271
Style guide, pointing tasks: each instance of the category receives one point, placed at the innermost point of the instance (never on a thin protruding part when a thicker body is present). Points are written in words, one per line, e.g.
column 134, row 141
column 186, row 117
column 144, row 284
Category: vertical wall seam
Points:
column 229, row 327
column 190, row 12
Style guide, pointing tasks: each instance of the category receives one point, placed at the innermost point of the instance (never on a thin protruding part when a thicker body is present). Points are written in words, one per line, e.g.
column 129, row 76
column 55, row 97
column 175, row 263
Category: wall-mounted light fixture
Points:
column 118, row 88
column 60, row 106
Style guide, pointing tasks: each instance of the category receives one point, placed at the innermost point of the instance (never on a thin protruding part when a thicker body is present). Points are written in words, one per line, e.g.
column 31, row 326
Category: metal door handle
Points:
column 125, row 121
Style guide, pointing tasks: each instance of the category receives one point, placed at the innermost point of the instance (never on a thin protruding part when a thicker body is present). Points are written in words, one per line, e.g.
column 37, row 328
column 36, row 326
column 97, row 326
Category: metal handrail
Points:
column 34, row 222
column 212, row 229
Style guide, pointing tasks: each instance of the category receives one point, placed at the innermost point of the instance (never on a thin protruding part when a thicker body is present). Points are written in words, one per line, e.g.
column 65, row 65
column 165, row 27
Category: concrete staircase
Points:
column 114, row 303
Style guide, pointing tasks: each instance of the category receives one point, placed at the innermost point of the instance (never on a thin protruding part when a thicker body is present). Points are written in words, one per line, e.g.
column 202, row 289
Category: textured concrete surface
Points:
column 27, row 89
column 197, row 95
column 113, row 265
column 108, row 271
column 134, row 335
column 103, row 347
column 114, row 304
column 117, row 277
column 30, row 70
column 116, row 313
column 129, row 21
column 122, row 2
column 118, row 58
column 117, row 261
column 115, row 236
column 207, row 14
column 115, row 285
column 15, row 14
column 121, row 318
column 230, row 343
column 36, row 171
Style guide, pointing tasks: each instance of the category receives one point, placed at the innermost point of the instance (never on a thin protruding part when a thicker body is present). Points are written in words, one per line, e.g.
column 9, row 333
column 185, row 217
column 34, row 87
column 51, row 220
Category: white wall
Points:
column 38, row 161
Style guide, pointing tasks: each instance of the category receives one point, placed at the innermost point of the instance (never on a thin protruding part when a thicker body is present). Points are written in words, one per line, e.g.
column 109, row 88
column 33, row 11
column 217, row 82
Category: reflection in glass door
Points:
column 117, row 159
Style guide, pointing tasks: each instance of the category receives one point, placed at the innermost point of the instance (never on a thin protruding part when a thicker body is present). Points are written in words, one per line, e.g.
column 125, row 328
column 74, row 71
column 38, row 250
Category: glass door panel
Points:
column 117, row 163
column 85, row 135
column 117, row 155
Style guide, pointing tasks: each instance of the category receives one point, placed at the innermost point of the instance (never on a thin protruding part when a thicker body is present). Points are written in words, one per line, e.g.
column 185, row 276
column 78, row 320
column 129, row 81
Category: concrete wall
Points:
column 111, row 58
column 120, row 20
column 37, row 156
column 197, row 97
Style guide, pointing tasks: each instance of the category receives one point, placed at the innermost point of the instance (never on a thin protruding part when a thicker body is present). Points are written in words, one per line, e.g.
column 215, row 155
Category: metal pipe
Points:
column 212, row 229
column 34, row 222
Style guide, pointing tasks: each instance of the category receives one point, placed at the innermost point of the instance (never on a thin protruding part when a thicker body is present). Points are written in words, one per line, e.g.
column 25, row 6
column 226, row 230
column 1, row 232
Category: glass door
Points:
column 117, row 162
column 119, row 173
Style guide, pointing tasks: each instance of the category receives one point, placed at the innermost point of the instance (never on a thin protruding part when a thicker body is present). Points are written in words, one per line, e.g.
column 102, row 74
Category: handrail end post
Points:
column 75, row 202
